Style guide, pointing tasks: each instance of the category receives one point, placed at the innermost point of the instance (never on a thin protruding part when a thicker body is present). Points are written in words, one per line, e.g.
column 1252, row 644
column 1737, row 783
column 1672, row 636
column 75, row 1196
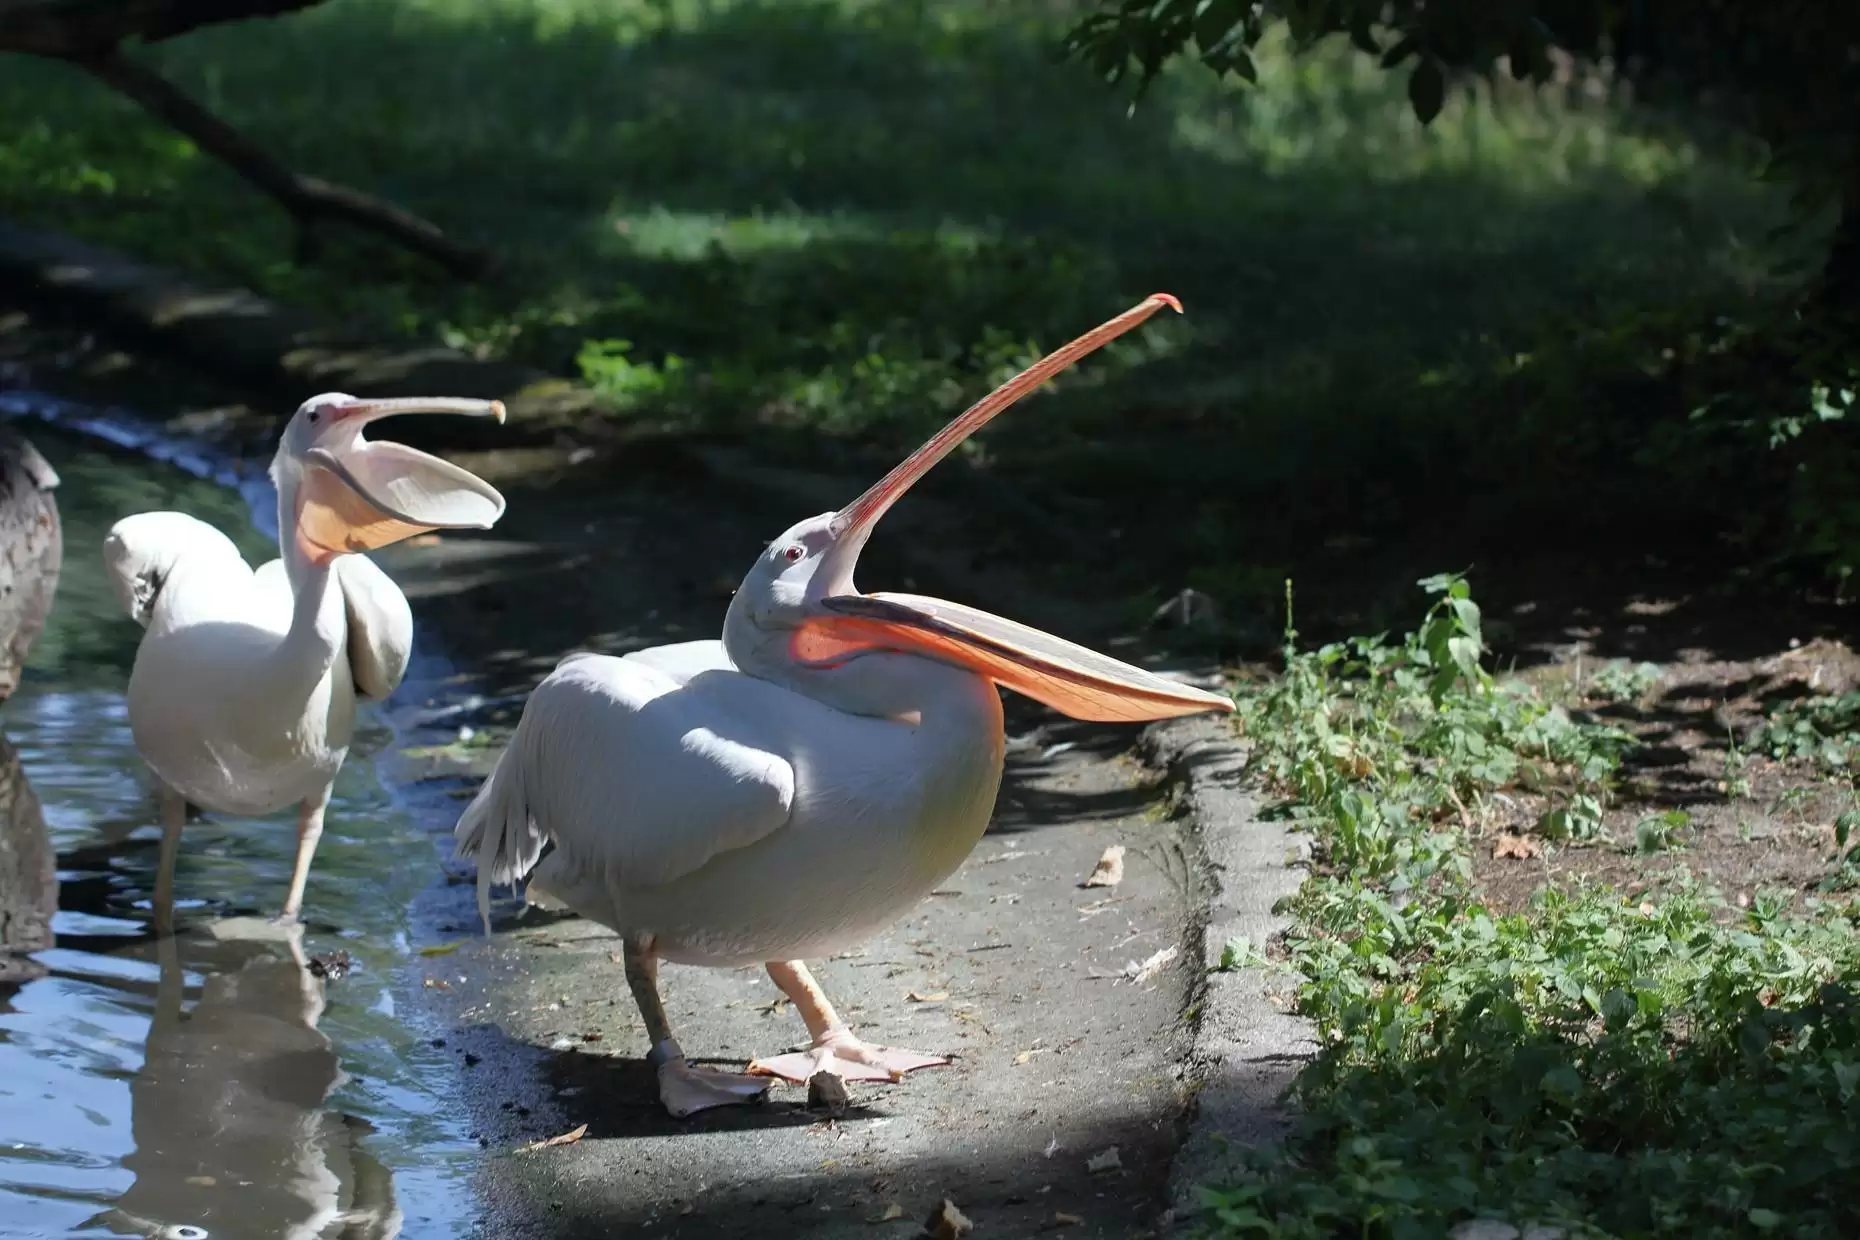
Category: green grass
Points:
column 836, row 222
column 1612, row 1065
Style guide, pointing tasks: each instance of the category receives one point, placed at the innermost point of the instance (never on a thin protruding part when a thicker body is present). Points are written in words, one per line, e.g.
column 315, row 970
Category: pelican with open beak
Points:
column 797, row 786
column 243, row 695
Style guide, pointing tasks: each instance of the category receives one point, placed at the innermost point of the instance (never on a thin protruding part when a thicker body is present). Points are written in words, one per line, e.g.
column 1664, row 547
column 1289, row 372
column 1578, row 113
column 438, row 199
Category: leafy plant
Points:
column 1823, row 728
column 1660, row 832
column 1620, row 681
column 1612, row 1067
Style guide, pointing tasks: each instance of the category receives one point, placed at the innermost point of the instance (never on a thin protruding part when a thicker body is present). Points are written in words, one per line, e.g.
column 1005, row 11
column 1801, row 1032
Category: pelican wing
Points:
column 634, row 774
column 380, row 626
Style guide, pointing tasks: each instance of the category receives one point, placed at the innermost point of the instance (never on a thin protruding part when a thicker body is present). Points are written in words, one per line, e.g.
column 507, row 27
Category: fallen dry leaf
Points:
column 1104, row 1160
column 1062, row 1219
column 568, row 1138
column 1521, row 847
column 1149, row 968
column 892, row 1214
column 1109, row 871
column 946, row 1222
column 935, row 996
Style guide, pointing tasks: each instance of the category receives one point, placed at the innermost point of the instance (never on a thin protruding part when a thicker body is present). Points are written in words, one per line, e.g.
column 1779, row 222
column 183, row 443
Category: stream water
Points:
column 210, row 1085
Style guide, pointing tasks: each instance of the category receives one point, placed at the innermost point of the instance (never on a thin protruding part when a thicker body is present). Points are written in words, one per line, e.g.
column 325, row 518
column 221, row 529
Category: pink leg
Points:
column 684, row 1089
column 309, row 831
column 835, row 1048
column 173, row 819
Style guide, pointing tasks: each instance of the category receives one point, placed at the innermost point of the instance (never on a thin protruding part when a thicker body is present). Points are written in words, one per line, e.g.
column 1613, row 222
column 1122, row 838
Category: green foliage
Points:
column 1615, row 1067
column 815, row 209
column 1432, row 38
column 1782, row 71
column 1823, row 728
column 1620, row 681
column 1660, row 832
column 1377, row 743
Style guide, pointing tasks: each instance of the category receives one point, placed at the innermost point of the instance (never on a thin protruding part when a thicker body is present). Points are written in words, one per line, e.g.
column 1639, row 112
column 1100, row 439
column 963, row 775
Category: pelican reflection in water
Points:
column 232, row 1137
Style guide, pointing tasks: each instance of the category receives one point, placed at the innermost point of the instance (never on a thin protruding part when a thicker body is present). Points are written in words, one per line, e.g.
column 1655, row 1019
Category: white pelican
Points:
column 243, row 695
column 795, row 787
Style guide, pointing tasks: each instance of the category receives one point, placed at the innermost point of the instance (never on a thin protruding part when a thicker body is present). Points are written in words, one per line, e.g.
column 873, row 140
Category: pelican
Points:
column 242, row 698
column 792, row 789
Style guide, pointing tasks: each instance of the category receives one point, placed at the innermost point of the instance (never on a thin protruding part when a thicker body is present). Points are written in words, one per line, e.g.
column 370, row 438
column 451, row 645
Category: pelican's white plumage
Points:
column 795, row 787
column 733, row 820
column 243, row 694
column 222, row 707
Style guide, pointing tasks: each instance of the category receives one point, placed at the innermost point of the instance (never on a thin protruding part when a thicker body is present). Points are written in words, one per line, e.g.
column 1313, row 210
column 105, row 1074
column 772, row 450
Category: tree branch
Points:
column 308, row 199
column 72, row 28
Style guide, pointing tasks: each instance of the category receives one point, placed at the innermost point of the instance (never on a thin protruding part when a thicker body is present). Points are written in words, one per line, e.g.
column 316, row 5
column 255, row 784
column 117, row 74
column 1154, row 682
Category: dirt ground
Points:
column 1750, row 824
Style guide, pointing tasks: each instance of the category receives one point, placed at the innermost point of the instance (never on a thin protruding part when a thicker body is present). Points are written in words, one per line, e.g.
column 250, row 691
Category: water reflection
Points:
column 209, row 1082
column 230, row 1130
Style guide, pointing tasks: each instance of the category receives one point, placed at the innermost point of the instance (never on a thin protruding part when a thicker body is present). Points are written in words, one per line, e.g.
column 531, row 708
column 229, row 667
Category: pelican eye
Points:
column 793, row 552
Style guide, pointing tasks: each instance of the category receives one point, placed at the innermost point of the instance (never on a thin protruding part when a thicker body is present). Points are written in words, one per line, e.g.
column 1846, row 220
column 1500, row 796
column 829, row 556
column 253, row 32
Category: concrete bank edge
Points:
column 1246, row 1049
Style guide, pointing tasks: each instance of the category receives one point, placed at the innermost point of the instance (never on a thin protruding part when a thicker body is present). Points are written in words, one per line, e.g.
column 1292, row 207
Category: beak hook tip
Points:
column 497, row 406
column 1169, row 300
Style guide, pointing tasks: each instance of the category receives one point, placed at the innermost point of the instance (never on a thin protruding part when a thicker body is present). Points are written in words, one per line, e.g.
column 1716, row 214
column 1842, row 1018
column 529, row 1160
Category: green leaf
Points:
column 1465, row 652
column 1400, row 52
column 1427, row 90
column 1563, row 1081
column 1467, row 613
column 1215, row 20
column 1765, row 1219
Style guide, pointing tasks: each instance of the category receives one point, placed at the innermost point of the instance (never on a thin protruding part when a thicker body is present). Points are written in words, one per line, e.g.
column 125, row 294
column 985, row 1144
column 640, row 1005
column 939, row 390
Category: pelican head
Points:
column 798, row 610
column 339, row 492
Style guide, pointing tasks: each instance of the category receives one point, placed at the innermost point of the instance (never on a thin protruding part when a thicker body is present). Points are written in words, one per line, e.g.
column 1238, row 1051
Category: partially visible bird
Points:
column 31, row 551
column 242, row 699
